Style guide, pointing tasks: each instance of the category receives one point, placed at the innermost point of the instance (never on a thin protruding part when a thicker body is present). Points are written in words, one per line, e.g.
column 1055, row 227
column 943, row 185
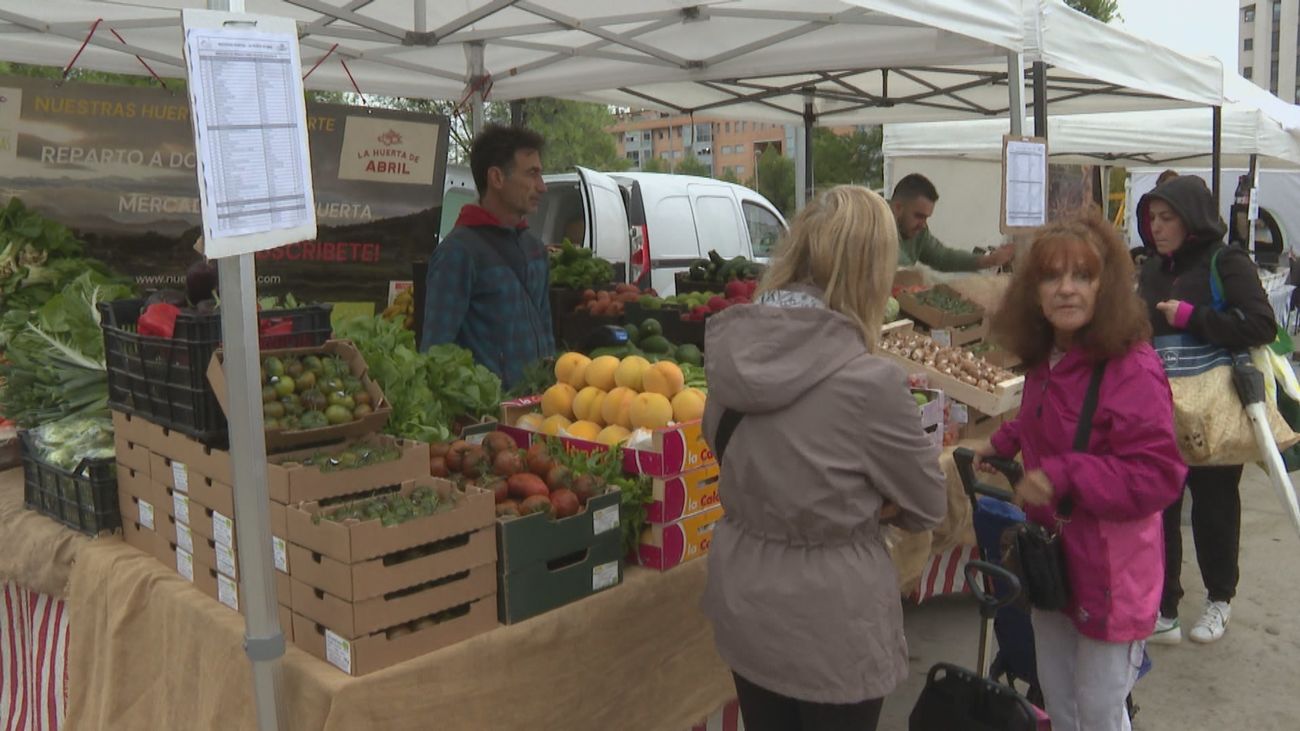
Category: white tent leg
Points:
column 474, row 60
column 1016, row 92
column 800, row 179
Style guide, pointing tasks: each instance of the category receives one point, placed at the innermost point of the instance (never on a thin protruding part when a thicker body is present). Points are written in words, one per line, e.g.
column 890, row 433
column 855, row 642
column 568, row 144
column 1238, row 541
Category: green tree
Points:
column 775, row 179
column 693, row 166
column 90, row 77
column 848, row 159
column 1103, row 10
column 575, row 134
column 654, row 164
column 729, row 175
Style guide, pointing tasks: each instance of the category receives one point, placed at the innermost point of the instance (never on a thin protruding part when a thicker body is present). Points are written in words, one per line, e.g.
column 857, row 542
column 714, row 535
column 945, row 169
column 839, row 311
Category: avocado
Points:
column 633, row 334
column 651, row 328
column 689, row 353
column 656, row 344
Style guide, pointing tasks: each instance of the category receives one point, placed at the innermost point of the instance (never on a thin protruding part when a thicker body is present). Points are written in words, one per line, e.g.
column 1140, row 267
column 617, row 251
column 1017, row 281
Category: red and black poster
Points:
column 117, row 165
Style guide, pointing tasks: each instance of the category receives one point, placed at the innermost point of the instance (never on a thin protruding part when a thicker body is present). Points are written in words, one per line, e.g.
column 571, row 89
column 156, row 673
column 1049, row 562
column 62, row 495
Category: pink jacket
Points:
column 1114, row 540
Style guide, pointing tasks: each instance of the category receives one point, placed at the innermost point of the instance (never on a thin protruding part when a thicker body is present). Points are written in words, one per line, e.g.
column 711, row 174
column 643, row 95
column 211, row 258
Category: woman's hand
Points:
column 1169, row 308
column 1035, row 489
column 983, row 452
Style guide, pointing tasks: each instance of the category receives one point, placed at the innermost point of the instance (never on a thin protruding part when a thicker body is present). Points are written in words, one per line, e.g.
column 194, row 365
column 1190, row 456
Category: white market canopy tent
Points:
column 867, row 61
column 1255, row 123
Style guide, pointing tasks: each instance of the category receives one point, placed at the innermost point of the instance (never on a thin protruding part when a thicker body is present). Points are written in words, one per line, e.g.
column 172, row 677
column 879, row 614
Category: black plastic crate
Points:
column 84, row 499
column 164, row 380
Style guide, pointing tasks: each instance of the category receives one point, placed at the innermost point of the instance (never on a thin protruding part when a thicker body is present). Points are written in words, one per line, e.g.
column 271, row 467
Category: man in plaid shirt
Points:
column 488, row 280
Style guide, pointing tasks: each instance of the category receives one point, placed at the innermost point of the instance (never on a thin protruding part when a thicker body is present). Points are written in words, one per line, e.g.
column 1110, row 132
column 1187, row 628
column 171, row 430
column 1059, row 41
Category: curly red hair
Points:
column 1084, row 242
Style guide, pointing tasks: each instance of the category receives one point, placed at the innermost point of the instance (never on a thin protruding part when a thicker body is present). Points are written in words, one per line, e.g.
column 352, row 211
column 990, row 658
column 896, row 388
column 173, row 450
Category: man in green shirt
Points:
column 913, row 204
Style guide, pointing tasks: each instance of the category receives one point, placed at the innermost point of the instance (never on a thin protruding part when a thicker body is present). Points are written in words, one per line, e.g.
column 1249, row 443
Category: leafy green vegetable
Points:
column 391, row 509
column 538, row 376
column 428, row 391
column 575, row 267
column 56, row 361
column 64, row 443
column 636, row 491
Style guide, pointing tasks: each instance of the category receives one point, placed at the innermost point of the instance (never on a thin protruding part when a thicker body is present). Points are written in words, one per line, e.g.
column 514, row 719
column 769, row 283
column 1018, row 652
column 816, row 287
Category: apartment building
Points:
column 721, row 144
column 1270, row 45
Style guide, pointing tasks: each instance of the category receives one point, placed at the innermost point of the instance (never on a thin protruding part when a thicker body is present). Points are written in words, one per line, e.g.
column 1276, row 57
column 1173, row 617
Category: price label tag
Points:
column 223, row 529
column 943, row 338
column 181, row 508
column 184, row 538
column 604, row 576
column 181, row 477
column 226, row 561
column 146, row 515
column 281, row 552
column 959, row 413
column 604, row 520
column 338, row 651
column 185, row 564
column 228, row 592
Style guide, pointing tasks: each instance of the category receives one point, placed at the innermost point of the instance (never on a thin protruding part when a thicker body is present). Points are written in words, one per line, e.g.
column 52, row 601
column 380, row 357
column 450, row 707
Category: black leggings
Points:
column 1216, row 531
column 764, row 710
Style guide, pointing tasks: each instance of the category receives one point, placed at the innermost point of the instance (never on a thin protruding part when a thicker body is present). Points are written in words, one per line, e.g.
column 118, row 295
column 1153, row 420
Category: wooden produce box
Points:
column 545, row 563
column 959, row 336
column 1004, row 397
column 674, row 450
column 934, row 317
column 282, row 439
column 665, row 546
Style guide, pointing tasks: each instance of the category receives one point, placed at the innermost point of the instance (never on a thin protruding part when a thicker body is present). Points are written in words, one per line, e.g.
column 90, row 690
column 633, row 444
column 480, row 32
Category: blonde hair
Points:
column 845, row 243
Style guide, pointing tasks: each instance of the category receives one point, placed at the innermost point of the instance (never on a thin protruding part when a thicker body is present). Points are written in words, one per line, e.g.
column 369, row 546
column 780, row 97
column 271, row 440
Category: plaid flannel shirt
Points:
column 475, row 300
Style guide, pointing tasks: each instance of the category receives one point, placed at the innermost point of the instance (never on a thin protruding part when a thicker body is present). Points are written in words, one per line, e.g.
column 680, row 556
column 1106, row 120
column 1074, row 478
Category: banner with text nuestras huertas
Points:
column 117, row 165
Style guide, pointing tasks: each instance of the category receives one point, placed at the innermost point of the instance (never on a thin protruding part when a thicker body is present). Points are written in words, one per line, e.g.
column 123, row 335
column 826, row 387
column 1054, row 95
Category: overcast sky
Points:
column 1195, row 26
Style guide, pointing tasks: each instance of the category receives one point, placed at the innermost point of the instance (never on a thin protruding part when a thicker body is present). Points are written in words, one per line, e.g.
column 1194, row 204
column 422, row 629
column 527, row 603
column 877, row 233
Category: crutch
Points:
column 1249, row 383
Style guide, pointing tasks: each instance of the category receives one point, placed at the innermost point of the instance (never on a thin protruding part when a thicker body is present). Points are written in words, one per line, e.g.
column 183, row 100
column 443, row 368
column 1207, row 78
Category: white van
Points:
column 653, row 224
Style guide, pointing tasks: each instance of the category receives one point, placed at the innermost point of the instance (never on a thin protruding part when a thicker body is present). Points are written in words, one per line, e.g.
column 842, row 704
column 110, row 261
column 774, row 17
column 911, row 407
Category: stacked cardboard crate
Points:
column 682, row 517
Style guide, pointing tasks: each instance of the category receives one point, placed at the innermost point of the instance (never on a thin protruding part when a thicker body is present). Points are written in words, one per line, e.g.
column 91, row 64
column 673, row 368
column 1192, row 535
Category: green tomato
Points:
column 273, row 410
column 313, row 420
column 338, row 414
column 341, row 398
column 306, row 381
column 269, row 394
column 274, row 366
column 284, row 386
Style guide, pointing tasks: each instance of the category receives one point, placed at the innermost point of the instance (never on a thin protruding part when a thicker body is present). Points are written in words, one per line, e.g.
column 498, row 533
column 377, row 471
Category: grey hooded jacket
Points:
column 802, row 593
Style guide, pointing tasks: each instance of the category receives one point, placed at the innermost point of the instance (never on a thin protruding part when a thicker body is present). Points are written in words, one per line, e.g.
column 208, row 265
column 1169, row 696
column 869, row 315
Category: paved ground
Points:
column 1248, row 680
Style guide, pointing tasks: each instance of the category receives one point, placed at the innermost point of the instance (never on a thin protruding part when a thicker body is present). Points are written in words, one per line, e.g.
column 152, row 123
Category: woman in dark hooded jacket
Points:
column 1186, row 232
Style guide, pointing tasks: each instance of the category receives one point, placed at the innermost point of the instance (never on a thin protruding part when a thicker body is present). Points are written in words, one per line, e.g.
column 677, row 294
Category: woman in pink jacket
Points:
column 1070, row 310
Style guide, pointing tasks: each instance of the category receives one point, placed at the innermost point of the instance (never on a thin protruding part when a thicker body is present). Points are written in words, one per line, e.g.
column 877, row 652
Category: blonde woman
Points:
column 821, row 445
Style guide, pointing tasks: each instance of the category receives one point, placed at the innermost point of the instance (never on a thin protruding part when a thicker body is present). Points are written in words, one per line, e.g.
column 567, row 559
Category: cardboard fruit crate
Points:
column 934, row 317
column 547, row 563
column 665, row 546
column 283, row 439
column 382, row 649
column 1004, row 397
column 959, row 336
column 674, row 450
column 686, row 494
column 356, row 541
column 289, row 481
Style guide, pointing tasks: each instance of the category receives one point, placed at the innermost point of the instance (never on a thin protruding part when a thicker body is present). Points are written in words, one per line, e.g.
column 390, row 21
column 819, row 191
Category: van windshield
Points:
column 560, row 214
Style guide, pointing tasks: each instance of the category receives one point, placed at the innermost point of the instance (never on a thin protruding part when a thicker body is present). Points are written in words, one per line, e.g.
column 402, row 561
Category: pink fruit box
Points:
column 675, row 449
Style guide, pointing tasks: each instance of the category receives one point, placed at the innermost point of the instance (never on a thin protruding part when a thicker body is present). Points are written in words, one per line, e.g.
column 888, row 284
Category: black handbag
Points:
column 1036, row 552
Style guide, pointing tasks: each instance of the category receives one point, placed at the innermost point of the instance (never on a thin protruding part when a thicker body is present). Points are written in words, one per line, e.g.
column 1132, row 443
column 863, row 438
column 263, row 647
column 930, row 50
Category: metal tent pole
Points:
column 474, row 60
column 809, row 119
column 1016, row 92
column 1217, row 155
column 1040, row 99
column 263, row 639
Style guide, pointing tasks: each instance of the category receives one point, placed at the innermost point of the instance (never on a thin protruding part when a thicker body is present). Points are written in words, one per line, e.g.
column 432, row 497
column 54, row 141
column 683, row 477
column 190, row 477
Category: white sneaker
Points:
column 1213, row 623
column 1167, row 632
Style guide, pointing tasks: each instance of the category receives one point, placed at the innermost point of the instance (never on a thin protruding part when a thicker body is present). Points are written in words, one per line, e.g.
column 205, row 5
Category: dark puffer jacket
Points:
column 1185, row 275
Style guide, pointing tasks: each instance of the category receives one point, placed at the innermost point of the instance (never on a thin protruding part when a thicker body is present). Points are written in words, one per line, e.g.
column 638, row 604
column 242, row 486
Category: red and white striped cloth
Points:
column 946, row 573
column 726, row 718
column 33, row 660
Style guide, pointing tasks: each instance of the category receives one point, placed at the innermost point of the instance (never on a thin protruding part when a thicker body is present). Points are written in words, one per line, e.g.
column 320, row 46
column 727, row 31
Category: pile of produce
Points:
column 403, row 309
column 604, row 399
column 64, row 443
column 608, row 304
column 522, row 482
column 392, row 508
column 647, row 340
column 699, row 305
column 942, row 298
column 431, row 393
column 720, row 271
column 355, row 456
column 55, row 361
column 311, row 392
column 38, row 259
column 958, row 363
column 575, row 267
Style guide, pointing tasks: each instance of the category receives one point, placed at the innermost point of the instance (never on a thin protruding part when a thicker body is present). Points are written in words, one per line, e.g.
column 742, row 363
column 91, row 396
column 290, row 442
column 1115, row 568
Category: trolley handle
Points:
column 978, row 572
column 964, row 458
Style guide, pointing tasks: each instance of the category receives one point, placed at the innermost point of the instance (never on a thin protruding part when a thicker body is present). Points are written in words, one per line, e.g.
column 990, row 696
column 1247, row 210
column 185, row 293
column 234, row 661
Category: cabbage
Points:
column 891, row 310
column 64, row 443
